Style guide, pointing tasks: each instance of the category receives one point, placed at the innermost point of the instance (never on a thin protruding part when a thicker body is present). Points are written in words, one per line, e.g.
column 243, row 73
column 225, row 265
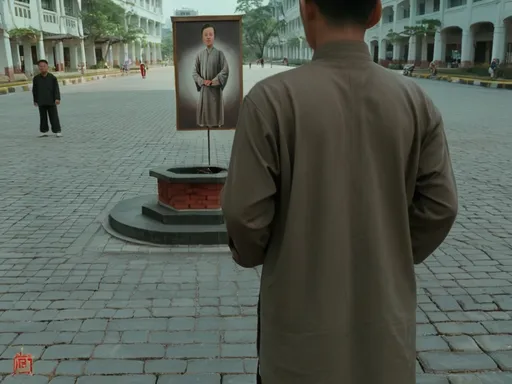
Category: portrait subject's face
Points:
column 208, row 37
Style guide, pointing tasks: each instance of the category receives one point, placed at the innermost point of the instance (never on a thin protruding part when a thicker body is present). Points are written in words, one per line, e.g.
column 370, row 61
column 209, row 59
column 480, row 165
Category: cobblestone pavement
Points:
column 92, row 309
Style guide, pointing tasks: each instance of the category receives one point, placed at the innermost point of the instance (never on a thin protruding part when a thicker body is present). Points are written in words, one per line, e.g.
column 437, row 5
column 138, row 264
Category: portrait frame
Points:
column 176, row 21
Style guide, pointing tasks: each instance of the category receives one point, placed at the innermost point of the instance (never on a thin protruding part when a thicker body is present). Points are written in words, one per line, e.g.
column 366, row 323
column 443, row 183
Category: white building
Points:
column 146, row 14
column 185, row 12
column 59, row 36
column 291, row 42
column 472, row 32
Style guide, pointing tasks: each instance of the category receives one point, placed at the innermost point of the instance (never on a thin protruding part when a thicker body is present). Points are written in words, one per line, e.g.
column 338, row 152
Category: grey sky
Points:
column 205, row 7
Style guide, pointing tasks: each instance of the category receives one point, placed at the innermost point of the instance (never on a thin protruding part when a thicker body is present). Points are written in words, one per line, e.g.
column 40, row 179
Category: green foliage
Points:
column 424, row 27
column 259, row 24
column 393, row 37
column 294, row 42
column 167, row 45
column 19, row 33
column 106, row 20
column 245, row 6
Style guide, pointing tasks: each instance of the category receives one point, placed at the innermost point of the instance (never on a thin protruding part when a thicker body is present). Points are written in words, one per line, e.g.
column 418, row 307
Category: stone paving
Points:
column 93, row 309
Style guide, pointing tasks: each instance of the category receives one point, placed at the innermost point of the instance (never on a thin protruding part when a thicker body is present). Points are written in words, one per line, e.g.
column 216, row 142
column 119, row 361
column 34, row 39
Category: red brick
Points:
column 189, row 195
column 197, row 206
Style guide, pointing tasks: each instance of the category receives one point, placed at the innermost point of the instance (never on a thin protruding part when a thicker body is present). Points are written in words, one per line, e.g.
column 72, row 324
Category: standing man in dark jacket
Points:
column 46, row 92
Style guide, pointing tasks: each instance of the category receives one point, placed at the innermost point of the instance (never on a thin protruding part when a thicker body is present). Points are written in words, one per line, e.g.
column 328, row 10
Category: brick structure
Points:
column 190, row 188
column 188, row 195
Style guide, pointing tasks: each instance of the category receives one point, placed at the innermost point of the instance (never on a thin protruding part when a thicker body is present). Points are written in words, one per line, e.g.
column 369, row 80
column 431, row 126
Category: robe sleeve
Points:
column 222, row 77
column 250, row 189
column 434, row 206
column 196, row 74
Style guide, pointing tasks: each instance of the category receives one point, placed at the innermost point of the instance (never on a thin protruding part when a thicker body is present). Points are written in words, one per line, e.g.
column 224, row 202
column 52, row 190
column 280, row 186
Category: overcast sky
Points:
column 205, row 7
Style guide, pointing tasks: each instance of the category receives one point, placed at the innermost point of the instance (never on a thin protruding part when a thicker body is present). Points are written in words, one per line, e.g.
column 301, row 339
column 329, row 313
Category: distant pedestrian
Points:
column 46, row 94
column 143, row 70
column 250, row 64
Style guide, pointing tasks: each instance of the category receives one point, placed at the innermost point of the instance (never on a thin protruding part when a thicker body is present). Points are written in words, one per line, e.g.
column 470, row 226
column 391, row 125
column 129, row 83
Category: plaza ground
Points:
column 87, row 305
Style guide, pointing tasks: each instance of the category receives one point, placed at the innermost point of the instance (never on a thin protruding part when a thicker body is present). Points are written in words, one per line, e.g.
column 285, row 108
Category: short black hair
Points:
column 208, row 26
column 339, row 12
column 42, row 61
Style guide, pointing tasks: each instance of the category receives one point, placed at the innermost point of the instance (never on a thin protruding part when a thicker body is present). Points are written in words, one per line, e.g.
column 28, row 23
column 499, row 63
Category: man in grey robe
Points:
column 211, row 72
column 340, row 181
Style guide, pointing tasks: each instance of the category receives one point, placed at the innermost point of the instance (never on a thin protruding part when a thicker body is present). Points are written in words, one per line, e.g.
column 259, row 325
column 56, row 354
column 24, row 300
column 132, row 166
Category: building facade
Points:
column 59, row 37
column 146, row 14
column 472, row 32
column 186, row 12
column 291, row 42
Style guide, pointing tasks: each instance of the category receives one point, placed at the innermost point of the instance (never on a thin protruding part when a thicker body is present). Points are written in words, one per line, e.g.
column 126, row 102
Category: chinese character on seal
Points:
column 23, row 364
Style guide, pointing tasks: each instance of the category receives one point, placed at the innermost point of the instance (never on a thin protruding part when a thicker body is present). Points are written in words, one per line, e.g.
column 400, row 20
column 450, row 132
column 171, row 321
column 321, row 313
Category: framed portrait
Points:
column 208, row 71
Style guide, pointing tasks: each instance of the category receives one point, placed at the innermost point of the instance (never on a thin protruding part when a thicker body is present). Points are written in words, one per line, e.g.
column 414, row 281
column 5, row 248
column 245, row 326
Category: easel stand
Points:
column 209, row 149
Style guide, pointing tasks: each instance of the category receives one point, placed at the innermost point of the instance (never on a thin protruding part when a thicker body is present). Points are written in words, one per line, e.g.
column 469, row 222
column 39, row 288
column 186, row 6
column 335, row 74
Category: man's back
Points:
column 352, row 144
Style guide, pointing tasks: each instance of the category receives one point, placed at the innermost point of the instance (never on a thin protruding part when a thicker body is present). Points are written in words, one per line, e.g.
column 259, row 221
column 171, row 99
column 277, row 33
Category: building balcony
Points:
column 71, row 25
column 50, row 22
column 23, row 17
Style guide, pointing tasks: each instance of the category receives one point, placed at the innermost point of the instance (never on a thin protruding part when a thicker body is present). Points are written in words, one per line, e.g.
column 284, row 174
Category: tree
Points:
column 167, row 44
column 424, row 27
column 107, row 22
column 245, row 6
column 259, row 23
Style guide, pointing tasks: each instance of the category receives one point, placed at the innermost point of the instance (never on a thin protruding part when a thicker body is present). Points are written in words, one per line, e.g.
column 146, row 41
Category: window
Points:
column 421, row 8
column 456, row 3
column 48, row 5
column 68, row 8
column 407, row 13
column 437, row 5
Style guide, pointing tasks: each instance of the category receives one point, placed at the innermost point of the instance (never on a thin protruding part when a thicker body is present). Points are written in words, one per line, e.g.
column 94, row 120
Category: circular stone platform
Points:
column 144, row 219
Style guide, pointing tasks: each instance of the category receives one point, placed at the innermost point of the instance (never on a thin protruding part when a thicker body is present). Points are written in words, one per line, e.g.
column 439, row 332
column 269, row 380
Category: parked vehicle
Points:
column 408, row 69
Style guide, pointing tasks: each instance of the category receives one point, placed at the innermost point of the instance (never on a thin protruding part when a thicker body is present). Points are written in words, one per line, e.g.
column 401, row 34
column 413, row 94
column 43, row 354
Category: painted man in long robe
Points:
column 340, row 181
column 211, row 72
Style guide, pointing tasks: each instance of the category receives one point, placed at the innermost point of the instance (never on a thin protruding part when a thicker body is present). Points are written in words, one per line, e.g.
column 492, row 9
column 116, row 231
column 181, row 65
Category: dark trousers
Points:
column 49, row 112
column 258, row 377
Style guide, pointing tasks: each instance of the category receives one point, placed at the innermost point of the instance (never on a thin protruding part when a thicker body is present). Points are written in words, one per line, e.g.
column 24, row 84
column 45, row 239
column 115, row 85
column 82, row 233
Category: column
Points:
column 439, row 55
column 16, row 59
column 147, row 53
column 382, row 51
column 83, row 57
column 499, row 45
column 27, row 58
column 126, row 54
column 467, row 50
column 137, row 52
column 90, row 54
column 411, row 59
column 41, row 54
column 132, row 51
column 160, row 52
column 116, row 50
column 49, row 55
column 6, row 57
column 74, row 62
column 155, row 55
column 396, row 51
column 59, row 59
column 424, row 52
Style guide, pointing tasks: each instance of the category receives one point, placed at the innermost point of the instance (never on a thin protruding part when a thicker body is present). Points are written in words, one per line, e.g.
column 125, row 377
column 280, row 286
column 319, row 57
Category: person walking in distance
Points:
column 340, row 181
column 46, row 94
